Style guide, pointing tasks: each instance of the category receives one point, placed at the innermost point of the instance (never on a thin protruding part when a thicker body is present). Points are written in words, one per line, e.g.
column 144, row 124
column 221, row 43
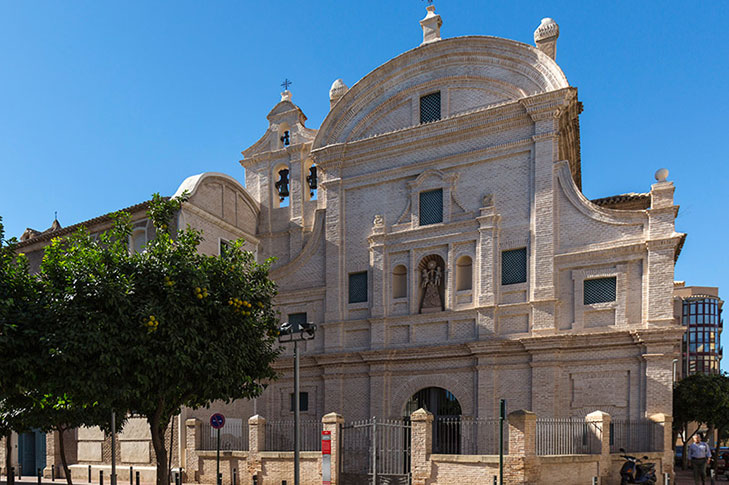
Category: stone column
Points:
column 600, row 429
column 332, row 422
column 521, row 465
column 666, row 427
column 256, row 443
column 422, row 445
column 192, row 444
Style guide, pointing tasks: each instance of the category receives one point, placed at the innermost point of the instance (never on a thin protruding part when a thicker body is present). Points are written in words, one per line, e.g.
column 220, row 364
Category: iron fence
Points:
column 567, row 436
column 633, row 435
column 461, row 435
column 280, row 435
column 233, row 436
column 376, row 451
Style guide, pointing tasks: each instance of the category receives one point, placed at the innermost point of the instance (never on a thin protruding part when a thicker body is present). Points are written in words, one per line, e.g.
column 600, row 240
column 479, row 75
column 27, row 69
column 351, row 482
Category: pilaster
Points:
column 486, row 251
column 600, row 428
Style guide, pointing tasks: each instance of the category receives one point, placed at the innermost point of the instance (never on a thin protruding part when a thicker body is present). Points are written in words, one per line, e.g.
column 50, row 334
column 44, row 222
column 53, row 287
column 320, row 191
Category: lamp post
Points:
column 296, row 332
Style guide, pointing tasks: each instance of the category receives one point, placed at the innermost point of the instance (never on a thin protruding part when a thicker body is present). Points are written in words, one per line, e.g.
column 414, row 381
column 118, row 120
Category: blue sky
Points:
column 104, row 103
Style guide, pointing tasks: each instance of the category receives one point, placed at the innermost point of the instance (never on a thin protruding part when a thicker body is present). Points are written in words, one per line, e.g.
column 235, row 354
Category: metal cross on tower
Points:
column 286, row 84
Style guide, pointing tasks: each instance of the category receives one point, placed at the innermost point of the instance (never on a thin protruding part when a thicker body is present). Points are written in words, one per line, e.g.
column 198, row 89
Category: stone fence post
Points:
column 192, row 444
column 521, row 465
column 600, row 428
column 332, row 422
column 666, row 423
column 256, row 444
column 422, row 445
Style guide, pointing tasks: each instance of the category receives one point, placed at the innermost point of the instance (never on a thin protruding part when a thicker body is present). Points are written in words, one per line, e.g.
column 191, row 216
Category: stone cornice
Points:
column 300, row 149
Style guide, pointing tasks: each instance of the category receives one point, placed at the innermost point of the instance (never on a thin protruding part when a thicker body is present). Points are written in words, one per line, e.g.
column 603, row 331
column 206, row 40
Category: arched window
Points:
column 284, row 135
column 399, row 281
column 312, row 179
column 464, row 273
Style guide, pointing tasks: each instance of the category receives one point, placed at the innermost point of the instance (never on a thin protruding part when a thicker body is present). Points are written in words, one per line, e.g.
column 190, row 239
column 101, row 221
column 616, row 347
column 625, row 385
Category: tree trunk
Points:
column 158, row 426
column 8, row 452
column 62, row 450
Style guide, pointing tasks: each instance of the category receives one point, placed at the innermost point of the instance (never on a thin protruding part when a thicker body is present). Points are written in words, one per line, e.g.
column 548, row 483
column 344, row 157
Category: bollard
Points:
column 20, row 470
column 39, row 476
column 178, row 477
column 283, row 482
column 496, row 480
column 101, row 477
column 666, row 479
column 234, row 477
column 255, row 479
column 53, row 473
column 220, row 479
column 594, row 480
column 89, row 473
column 137, row 477
column 11, row 476
column 131, row 475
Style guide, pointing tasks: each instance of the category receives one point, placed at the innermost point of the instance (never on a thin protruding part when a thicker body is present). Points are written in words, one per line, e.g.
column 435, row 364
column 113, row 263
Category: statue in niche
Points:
column 431, row 283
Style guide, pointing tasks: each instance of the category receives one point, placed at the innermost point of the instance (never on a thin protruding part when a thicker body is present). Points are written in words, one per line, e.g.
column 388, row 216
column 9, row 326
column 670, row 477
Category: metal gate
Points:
column 376, row 452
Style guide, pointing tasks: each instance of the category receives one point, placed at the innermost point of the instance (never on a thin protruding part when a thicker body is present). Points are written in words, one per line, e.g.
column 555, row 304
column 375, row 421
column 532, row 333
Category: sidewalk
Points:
column 686, row 477
column 62, row 481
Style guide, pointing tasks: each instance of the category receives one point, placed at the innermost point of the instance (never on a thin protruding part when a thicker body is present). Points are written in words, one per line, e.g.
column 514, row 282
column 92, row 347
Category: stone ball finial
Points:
column 286, row 95
column 661, row 174
column 548, row 29
column 337, row 90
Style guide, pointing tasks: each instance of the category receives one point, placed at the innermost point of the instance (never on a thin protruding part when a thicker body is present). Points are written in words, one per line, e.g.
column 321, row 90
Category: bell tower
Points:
column 282, row 177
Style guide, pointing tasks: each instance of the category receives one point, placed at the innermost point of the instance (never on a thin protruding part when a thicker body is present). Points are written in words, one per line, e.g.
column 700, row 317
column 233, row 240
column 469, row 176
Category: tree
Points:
column 36, row 377
column 19, row 294
column 167, row 327
column 701, row 399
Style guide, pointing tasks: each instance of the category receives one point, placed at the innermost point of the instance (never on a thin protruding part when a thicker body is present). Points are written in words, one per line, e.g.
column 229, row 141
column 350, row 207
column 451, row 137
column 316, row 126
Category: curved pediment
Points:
column 471, row 73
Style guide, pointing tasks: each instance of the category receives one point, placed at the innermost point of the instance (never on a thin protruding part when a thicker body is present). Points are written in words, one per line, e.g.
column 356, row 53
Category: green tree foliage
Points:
column 19, row 313
column 700, row 399
column 168, row 327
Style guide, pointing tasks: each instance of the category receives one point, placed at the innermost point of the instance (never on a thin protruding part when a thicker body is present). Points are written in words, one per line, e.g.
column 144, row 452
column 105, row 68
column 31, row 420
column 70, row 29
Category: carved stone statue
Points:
column 431, row 281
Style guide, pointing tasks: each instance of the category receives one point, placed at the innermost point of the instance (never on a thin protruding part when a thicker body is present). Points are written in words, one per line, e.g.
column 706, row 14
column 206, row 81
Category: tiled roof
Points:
column 632, row 198
column 49, row 234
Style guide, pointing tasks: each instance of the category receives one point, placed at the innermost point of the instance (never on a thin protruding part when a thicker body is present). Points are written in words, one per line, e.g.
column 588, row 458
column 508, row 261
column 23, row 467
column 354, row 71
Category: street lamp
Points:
column 296, row 332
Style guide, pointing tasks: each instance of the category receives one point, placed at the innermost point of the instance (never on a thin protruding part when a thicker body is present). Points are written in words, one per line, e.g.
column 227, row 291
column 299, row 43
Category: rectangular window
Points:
column 513, row 266
column 430, row 107
column 431, row 207
column 303, row 401
column 296, row 319
column 600, row 290
column 224, row 246
column 358, row 287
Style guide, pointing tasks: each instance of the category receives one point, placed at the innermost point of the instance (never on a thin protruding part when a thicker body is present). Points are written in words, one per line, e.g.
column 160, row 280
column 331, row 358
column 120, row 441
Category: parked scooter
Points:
column 635, row 471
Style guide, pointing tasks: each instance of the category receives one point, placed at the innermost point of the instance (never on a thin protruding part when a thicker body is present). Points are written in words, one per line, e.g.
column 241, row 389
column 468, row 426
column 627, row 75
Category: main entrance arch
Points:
column 446, row 412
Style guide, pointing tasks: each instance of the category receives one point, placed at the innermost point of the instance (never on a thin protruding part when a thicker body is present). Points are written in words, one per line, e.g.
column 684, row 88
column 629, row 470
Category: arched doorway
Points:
column 446, row 412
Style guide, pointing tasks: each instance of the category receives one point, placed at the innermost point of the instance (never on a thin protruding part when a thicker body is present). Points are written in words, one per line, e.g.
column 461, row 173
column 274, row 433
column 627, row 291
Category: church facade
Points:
column 450, row 246
column 435, row 231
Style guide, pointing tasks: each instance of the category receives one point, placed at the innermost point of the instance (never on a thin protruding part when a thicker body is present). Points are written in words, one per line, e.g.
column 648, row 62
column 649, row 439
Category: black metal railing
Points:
column 233, row 436
column 461, row 435
column 280, row 435
column 635, row 435
column 567, row 436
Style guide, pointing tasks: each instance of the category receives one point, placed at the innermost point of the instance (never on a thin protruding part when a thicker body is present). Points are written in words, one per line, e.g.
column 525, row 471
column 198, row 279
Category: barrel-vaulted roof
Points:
column 477, row 71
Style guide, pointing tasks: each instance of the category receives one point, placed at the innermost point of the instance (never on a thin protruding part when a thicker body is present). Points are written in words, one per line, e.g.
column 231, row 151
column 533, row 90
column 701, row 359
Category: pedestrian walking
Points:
column 699, row 454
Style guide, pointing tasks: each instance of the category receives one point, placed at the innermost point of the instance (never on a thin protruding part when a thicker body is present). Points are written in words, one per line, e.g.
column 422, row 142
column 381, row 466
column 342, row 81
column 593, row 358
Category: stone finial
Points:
column 431, row 25
column 661, row 174
column 336, row 92
column 545, row 37
column 286, row 95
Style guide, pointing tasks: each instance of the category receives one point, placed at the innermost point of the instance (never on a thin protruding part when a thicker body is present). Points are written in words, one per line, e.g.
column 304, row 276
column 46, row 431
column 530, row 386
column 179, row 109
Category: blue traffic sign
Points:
column 217, row 420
